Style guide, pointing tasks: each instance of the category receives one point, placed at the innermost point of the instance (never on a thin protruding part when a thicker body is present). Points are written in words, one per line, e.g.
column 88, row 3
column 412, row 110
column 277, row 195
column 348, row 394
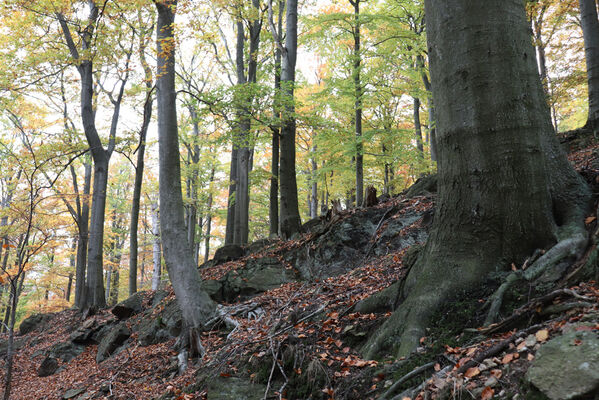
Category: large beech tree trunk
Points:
column 505, row 186
column 196, row 306
column 590, row 29
column 290, row 219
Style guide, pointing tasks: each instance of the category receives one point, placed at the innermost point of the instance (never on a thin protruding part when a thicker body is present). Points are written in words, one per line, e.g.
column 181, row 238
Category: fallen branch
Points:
column 406, row 378
column 498, row 348
column 530, row 308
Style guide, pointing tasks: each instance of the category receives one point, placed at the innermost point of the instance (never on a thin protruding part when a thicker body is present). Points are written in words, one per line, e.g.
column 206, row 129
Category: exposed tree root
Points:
column 568, row 250
column 530, row 308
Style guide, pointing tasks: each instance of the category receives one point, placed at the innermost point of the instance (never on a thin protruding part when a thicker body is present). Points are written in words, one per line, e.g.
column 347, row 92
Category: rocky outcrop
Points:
column 234, row 389
column 567, row 367
column 65, row 351
column 227, row 253
column 130, row 306
column 33, row 322
column 112, row 341
column 48, row 367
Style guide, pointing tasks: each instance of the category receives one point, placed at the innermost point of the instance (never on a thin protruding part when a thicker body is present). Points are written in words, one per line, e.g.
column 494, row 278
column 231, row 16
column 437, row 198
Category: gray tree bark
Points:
column 196, row 306
column 139, row 169
column 590, row 29
column 273, row 209
column 156, row 248
column 290, row 219
column 505, row 186
column 94, row 283
column 357, row 67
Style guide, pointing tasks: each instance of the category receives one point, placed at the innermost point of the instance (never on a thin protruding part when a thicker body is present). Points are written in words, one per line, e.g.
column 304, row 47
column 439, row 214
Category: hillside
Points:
column 303, row 303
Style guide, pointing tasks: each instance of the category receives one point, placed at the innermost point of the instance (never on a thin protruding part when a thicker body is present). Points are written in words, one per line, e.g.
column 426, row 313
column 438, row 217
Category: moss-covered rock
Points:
column 567, row 366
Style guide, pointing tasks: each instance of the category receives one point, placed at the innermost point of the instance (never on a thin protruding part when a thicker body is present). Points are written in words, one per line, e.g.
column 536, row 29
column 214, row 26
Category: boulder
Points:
column 257, row 276
column 72, row 393
column 567, row 367
column 228, row 253
column 423, row 186
column 259, row 245
column 234, row 389
column 33, row 322
column 17, row 344
column 127, row 308
column 91, row 331
column 48, row 367
column 112, row 341
column 65, row 351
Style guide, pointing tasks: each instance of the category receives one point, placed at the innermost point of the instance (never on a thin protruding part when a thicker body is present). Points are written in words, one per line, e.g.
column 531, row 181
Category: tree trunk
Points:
column 156, row 253
column 314, row 188
column 273, row 209
column 230, row 229
column 139, row 173
column 590, row 29
column 95, row 264
column 358, row 104
column 11, row 334
column 196, row 306
column 72, row 264
column 290, row 218
column 418, row 127
column 83, row 228
column 505, row 186
column 209, row 218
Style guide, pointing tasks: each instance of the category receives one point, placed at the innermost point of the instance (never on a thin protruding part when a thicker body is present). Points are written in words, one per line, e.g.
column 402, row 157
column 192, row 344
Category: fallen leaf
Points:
column 542, row 335
column 530, row 357
column 472, row 372
column 589, row 220
column 437, row 367
column 487, row 393
column 507, row 358
column 497, row 373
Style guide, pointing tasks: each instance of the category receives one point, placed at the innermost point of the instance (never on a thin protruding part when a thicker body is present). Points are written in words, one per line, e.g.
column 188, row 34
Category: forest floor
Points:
column 302, row 340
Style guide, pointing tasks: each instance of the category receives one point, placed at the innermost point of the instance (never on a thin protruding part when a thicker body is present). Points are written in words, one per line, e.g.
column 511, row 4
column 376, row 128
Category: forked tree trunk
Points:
column 590, row 29
column 196, row 306
column 505, row 186
column 290, row 219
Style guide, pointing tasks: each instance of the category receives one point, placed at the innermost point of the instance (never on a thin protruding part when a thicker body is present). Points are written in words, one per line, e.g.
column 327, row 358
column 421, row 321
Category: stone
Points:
column 234, row 389
column 33, row 322
column 112, row 341
column 228, row 253
column 129, row 307
column 65, row 351
column 72, row 393
column 257, row 276
column 567, row 366
column 47, row 367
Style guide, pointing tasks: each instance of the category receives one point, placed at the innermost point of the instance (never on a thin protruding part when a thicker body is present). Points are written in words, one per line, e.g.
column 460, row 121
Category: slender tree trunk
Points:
column 83, row 237
column 290, row 218
column 10, row 342
column 314, row 188
column 418, row 126
column 196, row 306
column 156, row 253
column 273, row 210
column 357, row 67
column 590, row 29
column 209, row 218
column 73, row 264
column 139, row 173
column 494, row 132
column 230, row 229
